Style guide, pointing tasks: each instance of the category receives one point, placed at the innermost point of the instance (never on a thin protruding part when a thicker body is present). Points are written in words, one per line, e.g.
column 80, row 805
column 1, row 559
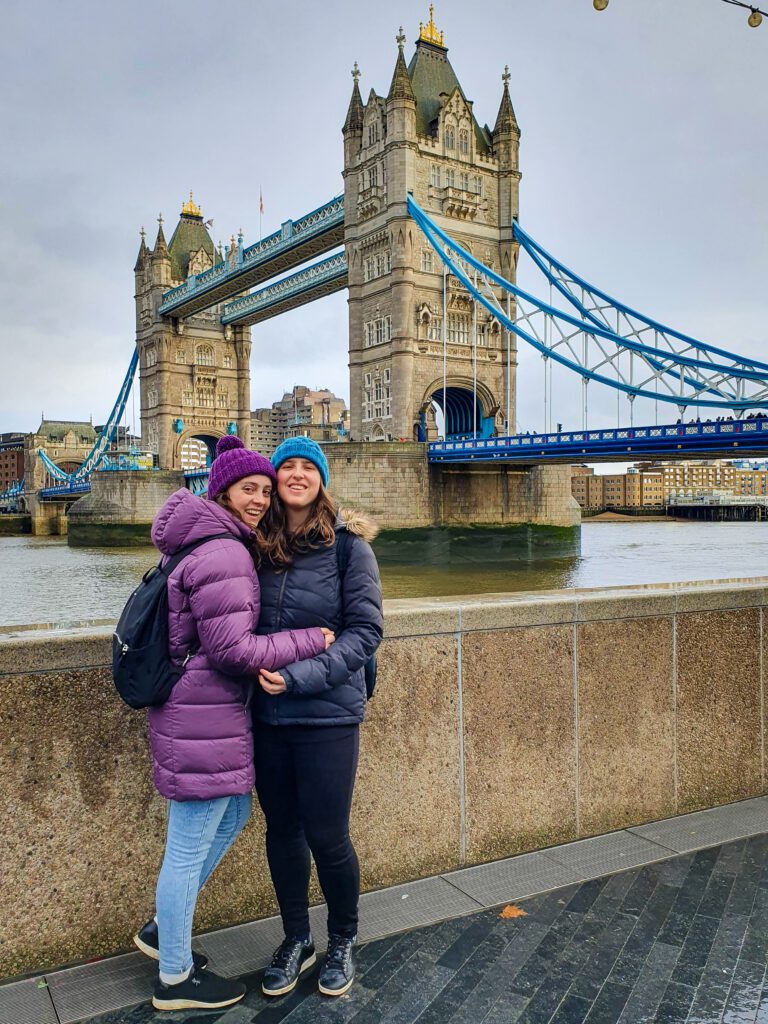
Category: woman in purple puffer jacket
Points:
column 201, row 738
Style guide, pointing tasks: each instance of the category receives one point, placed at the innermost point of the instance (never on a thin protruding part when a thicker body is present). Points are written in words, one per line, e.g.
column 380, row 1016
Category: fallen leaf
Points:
column 512, row 911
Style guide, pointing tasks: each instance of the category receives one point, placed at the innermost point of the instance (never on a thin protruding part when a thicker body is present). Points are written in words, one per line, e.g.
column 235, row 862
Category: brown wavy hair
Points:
column 280, row 547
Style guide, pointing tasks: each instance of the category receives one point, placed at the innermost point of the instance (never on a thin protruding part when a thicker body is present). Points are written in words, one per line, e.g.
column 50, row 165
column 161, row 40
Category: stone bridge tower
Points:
column 194, row 373
column 424, row 138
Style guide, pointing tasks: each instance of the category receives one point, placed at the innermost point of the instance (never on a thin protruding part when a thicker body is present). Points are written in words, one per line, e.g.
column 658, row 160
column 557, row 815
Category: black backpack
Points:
column 141, row 666
column 343, row 544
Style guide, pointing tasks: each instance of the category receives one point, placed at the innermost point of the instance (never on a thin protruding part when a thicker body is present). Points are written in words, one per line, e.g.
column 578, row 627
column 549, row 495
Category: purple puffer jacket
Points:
column 201, row 738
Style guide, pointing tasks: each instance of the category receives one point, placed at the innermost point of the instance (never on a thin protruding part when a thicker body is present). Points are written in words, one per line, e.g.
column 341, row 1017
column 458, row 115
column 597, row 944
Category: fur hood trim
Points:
column 357, row 522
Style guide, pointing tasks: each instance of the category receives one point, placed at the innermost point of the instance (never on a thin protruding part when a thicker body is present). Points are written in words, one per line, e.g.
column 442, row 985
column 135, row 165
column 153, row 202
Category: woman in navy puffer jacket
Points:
column 201, row 738
column 318, row 568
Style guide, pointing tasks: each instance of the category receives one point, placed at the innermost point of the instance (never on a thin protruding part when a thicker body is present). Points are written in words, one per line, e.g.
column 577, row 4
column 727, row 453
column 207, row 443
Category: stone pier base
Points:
column 120, row 508
column 396, row 484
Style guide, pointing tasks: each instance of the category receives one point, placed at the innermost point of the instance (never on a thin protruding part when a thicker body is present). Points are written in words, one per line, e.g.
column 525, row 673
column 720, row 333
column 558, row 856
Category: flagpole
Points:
column 261, row 212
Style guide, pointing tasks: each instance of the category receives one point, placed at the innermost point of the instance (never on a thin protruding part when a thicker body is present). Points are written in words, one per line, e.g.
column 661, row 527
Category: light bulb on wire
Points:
column 754, row 18
column 599, row 5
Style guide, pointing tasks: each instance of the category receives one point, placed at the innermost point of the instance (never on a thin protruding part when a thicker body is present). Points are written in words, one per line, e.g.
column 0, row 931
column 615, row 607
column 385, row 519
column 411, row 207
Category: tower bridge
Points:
column 425, row 239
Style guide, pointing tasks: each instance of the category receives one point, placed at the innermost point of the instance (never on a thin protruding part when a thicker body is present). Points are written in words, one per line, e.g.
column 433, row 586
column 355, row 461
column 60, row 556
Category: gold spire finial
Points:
column 191, row 208
column 428, row 33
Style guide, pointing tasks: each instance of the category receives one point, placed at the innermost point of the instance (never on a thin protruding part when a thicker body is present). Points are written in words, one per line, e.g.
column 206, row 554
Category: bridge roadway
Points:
column 295, row 243
column 622, row 444
column 323, row 278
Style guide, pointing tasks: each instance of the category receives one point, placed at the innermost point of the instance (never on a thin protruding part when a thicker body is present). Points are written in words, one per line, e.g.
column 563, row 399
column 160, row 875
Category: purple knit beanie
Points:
column 234, row 461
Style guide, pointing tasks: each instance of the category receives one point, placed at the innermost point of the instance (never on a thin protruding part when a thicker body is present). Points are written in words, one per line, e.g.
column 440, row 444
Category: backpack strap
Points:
column 182, row 553
column 343, row 545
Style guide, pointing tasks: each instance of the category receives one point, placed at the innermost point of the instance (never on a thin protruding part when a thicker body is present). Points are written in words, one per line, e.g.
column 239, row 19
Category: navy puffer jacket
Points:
column 328, row 689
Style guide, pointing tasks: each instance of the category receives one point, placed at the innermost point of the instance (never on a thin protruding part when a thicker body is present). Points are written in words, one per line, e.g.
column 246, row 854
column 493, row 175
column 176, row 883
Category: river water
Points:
column 44, row 581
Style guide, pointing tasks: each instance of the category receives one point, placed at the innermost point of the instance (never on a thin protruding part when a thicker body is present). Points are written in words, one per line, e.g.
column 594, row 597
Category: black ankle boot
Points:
column 290, row 959
column 338, row 971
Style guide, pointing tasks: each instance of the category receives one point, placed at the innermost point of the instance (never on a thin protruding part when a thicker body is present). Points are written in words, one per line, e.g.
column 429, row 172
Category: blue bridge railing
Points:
column 197, row 480
column 622, row 443
column 291, row 235
column 65, row 491
column 305, row 282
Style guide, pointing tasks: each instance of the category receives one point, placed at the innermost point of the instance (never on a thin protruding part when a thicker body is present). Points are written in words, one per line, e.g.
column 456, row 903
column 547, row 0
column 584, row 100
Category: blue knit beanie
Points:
column 302, row 448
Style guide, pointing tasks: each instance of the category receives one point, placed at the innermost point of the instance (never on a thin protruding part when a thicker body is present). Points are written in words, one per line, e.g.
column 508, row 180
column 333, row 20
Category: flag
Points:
column 261, row 204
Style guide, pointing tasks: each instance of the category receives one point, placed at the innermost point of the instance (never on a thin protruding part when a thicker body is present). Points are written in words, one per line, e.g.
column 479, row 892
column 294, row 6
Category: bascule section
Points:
column 425, row 358
column 194, row 370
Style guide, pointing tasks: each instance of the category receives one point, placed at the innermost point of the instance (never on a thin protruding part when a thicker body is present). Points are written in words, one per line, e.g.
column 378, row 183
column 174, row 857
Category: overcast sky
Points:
column 644, row 157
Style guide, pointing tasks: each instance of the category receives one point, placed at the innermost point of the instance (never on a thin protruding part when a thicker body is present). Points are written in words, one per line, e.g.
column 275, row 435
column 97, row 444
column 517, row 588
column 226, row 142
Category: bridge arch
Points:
column 465, row 405
column 196, row 447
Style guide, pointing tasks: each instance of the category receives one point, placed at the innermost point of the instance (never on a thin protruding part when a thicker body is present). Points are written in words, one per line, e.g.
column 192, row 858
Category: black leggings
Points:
column 304, row 781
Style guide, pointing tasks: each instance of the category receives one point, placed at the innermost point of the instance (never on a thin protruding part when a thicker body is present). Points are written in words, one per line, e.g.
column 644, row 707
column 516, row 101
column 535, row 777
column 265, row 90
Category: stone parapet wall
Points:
column 500, row 725
column 120, row 507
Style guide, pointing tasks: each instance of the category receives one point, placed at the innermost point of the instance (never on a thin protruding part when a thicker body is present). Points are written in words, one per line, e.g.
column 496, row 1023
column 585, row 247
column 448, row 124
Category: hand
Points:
column 329, row 635
column 271, row 682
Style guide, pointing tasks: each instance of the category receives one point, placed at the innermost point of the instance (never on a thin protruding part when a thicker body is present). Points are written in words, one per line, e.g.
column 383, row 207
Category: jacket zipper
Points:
column 278, row 625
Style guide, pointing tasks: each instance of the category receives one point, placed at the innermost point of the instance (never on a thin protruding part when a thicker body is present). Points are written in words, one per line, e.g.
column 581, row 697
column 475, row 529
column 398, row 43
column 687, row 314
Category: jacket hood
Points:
column 186, row 518
column 359, row 523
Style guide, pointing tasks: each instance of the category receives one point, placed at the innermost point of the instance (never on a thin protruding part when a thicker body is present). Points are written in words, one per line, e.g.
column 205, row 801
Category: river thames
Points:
column 47, row 582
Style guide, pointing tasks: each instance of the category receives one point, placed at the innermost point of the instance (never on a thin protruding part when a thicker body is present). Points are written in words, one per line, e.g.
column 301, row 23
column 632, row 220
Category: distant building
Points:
column 302, row 411
column 11, row 459
column 650, row 484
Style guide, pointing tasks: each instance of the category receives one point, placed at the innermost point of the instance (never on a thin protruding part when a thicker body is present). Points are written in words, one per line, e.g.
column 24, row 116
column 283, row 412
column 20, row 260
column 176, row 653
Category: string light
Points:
column 754, row 20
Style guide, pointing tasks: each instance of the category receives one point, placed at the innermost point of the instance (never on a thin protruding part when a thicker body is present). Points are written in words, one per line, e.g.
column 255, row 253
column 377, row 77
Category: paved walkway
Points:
column 679, row 939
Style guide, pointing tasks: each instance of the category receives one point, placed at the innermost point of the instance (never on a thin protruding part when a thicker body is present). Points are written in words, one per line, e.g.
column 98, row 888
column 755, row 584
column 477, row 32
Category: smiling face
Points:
column 298, row 484
column 249, row 498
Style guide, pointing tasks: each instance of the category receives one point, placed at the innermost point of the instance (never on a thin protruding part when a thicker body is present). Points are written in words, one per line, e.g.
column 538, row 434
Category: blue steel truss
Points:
column 675, row 440
column 103, row 441
column 15, row 490
column 231, row 275
column 320, row 279
column 690, row 373
column 197, row 480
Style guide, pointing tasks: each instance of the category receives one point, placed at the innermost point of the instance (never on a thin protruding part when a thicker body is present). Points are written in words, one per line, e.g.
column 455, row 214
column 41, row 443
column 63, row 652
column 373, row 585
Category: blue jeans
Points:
column 199, row 834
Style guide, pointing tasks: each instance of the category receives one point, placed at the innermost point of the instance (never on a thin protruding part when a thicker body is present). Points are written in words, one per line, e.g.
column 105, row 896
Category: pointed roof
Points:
column 431, row 74
column 401, row 88
column 161, row 248
column 505, row 119
column 191, row 235
column 354, row 119
column 143, row 252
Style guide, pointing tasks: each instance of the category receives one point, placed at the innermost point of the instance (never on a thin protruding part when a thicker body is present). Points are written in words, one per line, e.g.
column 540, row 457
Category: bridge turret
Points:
column 160, row 259
column 401, row 100
column 506, row 147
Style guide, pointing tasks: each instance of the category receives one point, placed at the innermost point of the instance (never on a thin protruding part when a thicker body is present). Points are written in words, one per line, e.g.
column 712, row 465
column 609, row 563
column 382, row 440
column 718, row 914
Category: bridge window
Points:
column 435, row 328
column 373, row 176
column 181, row 355
column 227, row 362
column 187, row 397
column 205, row 398
column 377, row 265
column 373, row 133
column 463, row 140
column 204, row 355
column 450, row 137
column 465, row 182
column 151, row 397
column 151, row 356
column 458, row 329
column 434, row 175
column 479, row 184
column 377, row 331
column 427, row 261
column 450, row 178
column 222, row 400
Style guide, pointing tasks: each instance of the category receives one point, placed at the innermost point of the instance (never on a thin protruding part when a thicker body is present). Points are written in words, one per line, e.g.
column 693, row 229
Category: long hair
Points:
column 257, row 544
column 280, row 547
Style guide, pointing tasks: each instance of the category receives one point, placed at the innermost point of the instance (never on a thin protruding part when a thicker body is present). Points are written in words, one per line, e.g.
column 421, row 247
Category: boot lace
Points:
column 339, row 947
column 284, row 953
